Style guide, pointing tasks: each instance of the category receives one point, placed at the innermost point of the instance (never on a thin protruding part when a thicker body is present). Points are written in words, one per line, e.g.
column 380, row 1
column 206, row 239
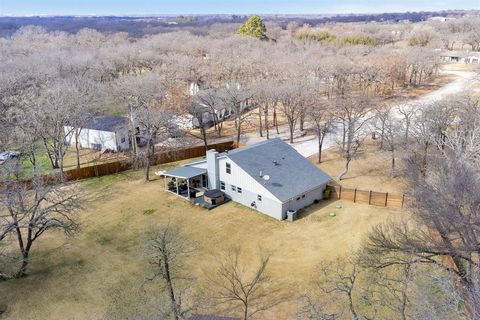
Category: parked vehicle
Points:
column 7, row 155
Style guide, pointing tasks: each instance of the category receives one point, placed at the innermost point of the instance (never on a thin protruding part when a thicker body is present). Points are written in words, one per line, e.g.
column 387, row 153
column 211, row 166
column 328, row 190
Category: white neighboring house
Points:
column 460, row 57
column 270, row 176
column 222, row 113
column 101, row 133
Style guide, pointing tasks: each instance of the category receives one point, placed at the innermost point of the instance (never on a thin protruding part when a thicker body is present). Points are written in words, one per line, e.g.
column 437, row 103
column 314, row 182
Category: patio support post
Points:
column 176, row 182
column 165, row 180
column 188, row 188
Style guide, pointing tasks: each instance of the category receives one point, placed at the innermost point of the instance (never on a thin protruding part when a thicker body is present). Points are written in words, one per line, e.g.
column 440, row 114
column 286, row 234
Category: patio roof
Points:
column 185, row 172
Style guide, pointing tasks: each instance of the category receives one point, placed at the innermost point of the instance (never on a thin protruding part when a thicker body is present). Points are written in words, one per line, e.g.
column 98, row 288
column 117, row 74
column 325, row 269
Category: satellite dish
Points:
column 266, row 177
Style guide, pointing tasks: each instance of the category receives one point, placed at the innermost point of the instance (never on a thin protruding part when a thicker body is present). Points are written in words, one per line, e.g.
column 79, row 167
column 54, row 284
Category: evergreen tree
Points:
column 254, row 27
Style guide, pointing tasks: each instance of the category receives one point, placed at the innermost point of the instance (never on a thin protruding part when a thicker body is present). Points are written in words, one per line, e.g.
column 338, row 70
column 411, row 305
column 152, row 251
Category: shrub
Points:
column 149, row 212
column 326, row 193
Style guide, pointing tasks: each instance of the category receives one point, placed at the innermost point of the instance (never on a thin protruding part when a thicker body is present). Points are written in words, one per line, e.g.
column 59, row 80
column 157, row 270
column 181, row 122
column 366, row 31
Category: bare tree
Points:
column 353, row 115
column 445, row 206
column 388, row 128
column 320, row 114
column 293, row 97
column 199, row 112
column 31, row 210
column 211, row 98
column 339, row 290
column 168, row 251
column 138, row 92
column 250, row 289
column 157, row 125
column 236, row 98
column 407, row 112
column 62, row 105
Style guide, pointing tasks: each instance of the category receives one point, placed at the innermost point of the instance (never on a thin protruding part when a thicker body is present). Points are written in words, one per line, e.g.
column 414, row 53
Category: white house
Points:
column 101, row 133
column 270, row 176
column 221, row 113
column 460, row 57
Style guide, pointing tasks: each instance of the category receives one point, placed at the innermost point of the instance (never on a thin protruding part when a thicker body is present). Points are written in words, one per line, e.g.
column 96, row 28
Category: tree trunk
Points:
column 423, row 169
column 203, row 132
column 265, row 118
column 148, row 156
column 291, row 128
column 50, row 156
column 351, row 307
column 170, row 290
column 77, row 149
column 345, row 170
column 321, row 136
column 238, row 125
column 275, row 121
column 260, row 128
column 407, row 130
column 23, row 267
column 382, row 135
column 392, row 173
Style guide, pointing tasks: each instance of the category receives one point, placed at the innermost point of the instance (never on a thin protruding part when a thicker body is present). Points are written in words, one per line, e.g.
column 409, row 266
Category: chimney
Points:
column 213, row 171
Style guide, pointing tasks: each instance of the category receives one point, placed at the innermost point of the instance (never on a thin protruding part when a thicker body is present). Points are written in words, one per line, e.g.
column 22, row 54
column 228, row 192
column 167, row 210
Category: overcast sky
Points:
column 121, row 7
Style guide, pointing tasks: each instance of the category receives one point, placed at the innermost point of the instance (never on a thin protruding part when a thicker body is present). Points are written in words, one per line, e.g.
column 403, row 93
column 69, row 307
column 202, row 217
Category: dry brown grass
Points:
column 89, row 157
column 369, row 171
column 77, row 281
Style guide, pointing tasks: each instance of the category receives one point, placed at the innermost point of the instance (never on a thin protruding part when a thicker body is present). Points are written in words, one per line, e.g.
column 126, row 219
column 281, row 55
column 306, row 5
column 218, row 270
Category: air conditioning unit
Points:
column 291, row 215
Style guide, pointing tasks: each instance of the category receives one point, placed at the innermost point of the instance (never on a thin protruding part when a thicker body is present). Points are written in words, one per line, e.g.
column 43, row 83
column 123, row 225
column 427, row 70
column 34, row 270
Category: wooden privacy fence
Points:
column 158, row 158
column 382, row 199
column 124, row 165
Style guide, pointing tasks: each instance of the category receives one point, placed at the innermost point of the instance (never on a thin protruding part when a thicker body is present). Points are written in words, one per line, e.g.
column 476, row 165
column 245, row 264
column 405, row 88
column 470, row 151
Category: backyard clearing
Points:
column 370, row 170
column 104, row 262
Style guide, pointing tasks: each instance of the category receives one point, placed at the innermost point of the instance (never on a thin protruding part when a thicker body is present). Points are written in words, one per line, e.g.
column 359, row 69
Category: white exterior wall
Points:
column 269, row 205
column 122, row 133
column 310, row 197
column 251, row 188
column 88, row 138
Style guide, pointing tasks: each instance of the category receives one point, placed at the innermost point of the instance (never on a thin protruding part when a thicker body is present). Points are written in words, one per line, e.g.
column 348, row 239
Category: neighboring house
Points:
column 222, row 113
column 460, row 57
column 101, row 133
column 270, row 176
column 441, row 19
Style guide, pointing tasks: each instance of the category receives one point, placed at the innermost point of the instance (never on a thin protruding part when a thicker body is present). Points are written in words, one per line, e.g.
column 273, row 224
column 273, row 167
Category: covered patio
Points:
column 186, row 182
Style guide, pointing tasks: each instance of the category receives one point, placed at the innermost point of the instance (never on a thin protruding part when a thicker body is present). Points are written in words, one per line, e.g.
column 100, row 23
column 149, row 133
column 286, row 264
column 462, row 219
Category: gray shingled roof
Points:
column 292, row 174
column 106, row 123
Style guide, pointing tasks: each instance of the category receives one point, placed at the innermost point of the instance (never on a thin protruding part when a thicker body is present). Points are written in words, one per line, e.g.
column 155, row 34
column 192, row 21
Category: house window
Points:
column 123, row 140
column 222, row 185
column 259, row 197
column 239, row 190
column 96, row 146
column 234, row 188
column 298, row 198
column 228, row 168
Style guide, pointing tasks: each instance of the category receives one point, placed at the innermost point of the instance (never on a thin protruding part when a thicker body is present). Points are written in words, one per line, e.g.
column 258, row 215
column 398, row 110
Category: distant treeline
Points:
column 140, row 26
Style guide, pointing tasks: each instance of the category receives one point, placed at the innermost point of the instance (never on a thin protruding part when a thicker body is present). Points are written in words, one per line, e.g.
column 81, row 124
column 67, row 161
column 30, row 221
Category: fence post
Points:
column 370, row 197
column 340, row 193
column 403, row 199
column 386, row 199
column 354, row 195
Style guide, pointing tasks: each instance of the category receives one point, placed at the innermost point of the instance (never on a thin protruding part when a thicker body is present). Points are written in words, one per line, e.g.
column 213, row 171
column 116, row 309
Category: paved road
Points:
column 308, row 145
